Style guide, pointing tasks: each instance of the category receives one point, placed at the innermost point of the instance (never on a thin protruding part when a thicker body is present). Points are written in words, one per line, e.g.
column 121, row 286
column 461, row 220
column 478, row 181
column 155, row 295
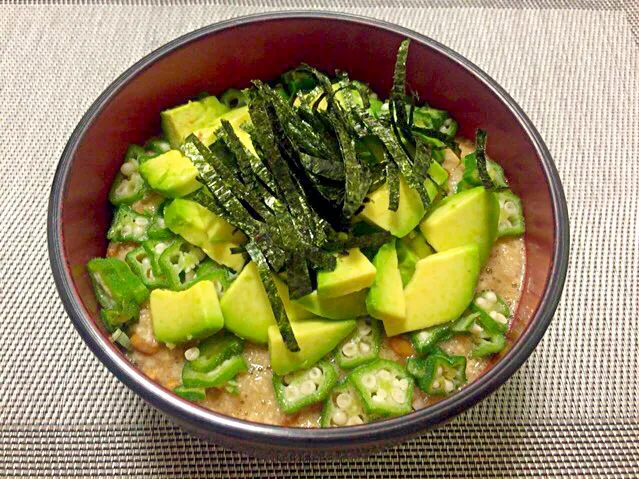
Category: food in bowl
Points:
column 306, row 254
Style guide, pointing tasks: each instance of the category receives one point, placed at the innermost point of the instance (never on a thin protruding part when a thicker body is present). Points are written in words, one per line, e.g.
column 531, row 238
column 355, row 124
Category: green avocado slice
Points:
column 201, row 227
column 246, row 307
column 170, row 174
column 385, row 299
column 181, row 121
column 316, row 338
column 441, row 289
column 471, row 216
column 343, row 307
column 353, row 272
column 180, row 316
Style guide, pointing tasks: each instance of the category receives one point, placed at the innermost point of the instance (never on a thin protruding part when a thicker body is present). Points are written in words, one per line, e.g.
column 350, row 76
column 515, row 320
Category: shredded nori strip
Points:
column 230, row 207
column 298, row 277
column 392, row 178
column 397, row 153
column 279, row 312
column 237, row 214
column 423, row 159
column 219, row 151
column 257, row 165
column 266, row 139
column 480, row 155
column 372, row 240
column 397, row 102
column 357, row 178
column 320, row 167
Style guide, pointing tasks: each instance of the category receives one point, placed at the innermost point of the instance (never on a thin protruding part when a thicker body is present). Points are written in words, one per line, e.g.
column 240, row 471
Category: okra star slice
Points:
column 128, row 225
column 343, row 407
column 215, row 350
column 385, row 387
column 128, row 186
column 303, row 388
column 361, row 347
column 178, row 262
column 158, row 229
column 191, row 394
column 511, row 214
column 487, row 335
column 463, row 324
column 438, row 373
column 154, row 249
column 140, row 263
column 425, row 340
column 215, row 378
column 488, row 303
column 209, row 270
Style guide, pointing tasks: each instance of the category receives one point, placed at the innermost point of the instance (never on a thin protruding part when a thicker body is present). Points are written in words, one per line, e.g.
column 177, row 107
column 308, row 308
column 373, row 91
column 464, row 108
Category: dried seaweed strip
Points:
column 392, row 179
column 356, row 184
column 283, row 323
column 480, row 155
column 298, row 277
column 396, row 152
column 398, row 92
column 321, row 167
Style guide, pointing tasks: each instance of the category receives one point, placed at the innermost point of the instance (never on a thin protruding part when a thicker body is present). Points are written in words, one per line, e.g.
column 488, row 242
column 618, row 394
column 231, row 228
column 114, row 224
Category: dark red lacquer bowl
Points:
column 231, row 53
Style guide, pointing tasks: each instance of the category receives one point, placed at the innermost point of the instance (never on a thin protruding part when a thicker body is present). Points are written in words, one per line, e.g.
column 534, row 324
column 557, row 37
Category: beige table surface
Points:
column 571, row 411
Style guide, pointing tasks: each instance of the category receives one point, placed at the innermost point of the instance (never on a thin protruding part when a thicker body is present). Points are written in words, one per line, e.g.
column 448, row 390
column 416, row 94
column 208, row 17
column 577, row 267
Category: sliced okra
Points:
column 361, row 347
column 141, row 264
column 385, row 387
column 128, row 186
column 215, row 378
column 344, row 407
column 303, row 388
column 179, row 261
column 128, row 225
column 438, row 373
column 495, row 310
column 511, row 214
column 425, row 340
column 213, row 351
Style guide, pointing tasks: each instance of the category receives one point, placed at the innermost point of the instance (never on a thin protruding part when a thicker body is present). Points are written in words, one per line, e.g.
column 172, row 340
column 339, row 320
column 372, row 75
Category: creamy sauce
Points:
column 256, row 402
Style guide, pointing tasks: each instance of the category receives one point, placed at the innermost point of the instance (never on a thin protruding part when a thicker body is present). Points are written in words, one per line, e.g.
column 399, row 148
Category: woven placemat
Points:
column 572, row 410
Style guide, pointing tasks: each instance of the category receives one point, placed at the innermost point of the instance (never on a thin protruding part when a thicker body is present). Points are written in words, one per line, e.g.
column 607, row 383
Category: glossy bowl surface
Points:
column 229, row 54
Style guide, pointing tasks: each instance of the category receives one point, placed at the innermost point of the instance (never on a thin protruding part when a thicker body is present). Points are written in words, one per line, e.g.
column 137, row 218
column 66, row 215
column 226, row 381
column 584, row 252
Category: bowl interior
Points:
column 233, row 56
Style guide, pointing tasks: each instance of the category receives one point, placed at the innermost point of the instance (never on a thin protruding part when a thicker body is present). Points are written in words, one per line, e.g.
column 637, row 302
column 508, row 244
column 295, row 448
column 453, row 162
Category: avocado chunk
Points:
column 199, row 223
column 316, row 338
column 416, row 242
column 180, row 316
column 385, row 299
column 353, row 272
column 170, row 174
column 294, row 311
column 246, row 307
column 409, row 212
column 406, row 261
column 201, row 227
column 471, row 216
column 181, row 121
column 342, row 307
column 440, row 290
column 235, row 117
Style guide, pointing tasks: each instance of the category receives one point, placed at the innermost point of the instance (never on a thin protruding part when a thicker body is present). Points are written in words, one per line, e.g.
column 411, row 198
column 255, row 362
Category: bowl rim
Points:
column 316, row 438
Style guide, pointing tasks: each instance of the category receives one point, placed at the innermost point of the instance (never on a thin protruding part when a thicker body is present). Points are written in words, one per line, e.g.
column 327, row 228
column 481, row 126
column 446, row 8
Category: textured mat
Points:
column 572, row 410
